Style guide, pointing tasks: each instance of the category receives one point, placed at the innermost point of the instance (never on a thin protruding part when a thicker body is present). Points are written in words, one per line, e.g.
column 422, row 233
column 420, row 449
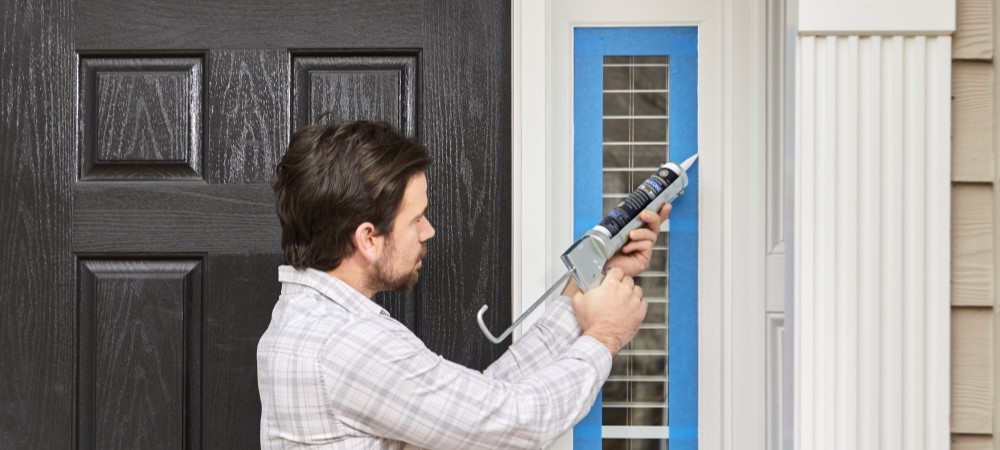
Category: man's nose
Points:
column 429, row 232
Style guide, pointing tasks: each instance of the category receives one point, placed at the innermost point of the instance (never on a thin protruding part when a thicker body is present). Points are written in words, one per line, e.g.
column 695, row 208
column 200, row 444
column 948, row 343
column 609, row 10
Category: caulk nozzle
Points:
column 689, row 162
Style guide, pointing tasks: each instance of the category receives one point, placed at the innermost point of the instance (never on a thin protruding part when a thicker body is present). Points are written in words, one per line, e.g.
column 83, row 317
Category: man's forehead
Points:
column 416, row 191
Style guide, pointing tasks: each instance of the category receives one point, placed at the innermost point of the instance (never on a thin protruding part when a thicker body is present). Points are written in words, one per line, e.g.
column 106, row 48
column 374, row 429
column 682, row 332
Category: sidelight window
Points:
column 635, row 107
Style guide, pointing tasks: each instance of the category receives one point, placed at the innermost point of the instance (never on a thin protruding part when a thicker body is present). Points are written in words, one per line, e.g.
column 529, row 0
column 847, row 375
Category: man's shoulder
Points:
column 371, row 331
column 302, row 322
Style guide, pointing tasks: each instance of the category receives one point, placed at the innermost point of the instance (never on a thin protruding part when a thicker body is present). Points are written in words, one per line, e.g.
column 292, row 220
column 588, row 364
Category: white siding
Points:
column 872, row 242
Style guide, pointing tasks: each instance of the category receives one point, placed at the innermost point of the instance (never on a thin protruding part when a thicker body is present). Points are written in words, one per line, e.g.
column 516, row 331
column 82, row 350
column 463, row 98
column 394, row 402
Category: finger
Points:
column 665, row 211
column 643, row 234
column 636, row 246
column 637, row 293
column 651, row 219
column 614, row 274
column 628, row 282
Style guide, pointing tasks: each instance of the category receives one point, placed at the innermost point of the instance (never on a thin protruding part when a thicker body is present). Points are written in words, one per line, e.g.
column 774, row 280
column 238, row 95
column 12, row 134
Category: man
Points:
column 335, row 371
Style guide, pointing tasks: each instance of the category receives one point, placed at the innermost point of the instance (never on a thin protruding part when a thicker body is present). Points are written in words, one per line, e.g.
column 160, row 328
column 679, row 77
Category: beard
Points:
column 403, row 277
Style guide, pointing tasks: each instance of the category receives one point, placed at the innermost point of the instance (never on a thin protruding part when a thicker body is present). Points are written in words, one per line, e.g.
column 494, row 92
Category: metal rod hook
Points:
column 524, row 315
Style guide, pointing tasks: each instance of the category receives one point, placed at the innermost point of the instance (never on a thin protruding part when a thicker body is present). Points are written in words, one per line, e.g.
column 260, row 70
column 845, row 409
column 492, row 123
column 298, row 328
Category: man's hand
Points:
column 635, row 255
column 611, row 312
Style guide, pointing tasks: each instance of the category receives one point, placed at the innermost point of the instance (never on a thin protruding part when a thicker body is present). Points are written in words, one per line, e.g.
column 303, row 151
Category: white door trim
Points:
column 731, row 134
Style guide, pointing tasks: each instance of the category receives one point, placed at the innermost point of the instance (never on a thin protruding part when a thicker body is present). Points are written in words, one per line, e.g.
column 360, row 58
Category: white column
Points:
column 872, row 206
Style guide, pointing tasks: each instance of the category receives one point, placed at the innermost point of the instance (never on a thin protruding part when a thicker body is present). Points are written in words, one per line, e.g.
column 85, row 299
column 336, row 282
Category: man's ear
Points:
column 367, row 241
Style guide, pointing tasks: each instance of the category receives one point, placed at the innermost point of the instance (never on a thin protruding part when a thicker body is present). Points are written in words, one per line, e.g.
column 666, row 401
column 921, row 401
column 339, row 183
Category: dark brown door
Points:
column 139, row 244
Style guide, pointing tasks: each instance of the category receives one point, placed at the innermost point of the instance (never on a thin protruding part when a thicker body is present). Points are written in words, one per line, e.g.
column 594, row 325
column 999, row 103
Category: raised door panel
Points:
column 140, row 118
column 139, row 353
column 350, row 87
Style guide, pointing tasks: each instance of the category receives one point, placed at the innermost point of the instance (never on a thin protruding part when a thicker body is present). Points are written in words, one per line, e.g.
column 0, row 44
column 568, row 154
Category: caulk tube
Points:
column 663, row 186
column 587, row 256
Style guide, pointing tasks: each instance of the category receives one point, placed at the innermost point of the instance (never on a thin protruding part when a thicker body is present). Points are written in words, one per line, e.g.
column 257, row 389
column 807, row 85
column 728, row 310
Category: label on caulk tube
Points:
column 638, row 200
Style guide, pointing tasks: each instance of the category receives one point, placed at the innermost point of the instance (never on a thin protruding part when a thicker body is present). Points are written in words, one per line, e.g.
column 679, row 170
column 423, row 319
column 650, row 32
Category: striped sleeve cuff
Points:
column 560, row 318
column 589, row 349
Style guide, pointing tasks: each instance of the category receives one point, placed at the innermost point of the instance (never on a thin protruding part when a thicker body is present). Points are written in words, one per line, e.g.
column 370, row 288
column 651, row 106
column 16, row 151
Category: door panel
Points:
column 372, row 86
column 145, row 250
column 139, row 352
column 140, row 118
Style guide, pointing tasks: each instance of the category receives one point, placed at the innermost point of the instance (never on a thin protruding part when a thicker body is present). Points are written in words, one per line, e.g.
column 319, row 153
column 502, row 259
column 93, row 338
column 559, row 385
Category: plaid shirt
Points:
column 335, row 371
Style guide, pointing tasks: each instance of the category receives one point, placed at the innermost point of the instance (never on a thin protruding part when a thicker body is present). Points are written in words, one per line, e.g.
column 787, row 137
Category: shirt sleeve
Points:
column 543, row 343
column 383, row 381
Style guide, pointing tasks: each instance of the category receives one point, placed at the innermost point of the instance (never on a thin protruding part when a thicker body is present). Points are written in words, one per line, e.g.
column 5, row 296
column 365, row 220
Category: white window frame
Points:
column 731, row 138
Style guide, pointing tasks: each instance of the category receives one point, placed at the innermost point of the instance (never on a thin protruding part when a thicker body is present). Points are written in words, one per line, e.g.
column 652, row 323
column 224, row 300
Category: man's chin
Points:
column 407, row 284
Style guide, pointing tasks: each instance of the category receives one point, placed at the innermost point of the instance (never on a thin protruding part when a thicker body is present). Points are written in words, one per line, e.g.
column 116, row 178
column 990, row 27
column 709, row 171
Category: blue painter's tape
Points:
column 588, row 162
column 681, row 45
column 587, row 433
column 682, row 374
column 588, row 111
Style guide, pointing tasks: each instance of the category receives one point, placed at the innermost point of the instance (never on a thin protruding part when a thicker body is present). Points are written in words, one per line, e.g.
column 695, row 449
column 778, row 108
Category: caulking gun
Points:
column 585, row 259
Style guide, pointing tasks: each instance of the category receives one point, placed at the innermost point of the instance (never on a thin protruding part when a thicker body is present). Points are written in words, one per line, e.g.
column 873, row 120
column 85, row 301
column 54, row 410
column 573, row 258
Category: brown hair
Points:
column 333, row 178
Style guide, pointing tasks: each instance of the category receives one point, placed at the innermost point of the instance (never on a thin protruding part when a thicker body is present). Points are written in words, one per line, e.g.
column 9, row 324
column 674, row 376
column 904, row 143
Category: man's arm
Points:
column 380, row 379
column 542, row 344
column 385, row 382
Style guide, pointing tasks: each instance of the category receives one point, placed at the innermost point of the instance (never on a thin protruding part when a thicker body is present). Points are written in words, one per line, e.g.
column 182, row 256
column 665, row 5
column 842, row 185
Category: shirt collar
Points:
column 330, row 287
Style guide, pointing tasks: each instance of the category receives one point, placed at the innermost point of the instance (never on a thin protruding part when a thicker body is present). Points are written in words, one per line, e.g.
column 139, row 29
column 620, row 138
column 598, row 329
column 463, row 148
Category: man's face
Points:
column 398, row 266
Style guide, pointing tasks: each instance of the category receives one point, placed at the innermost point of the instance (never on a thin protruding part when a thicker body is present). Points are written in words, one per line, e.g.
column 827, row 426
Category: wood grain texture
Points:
column 247, row 115
column 243, row 290
column 973, row 38
column 972, row 122
column 228, row 217
column 972, row 370
column 137, row 218
column 375, row 86
column 140, row 117
column 260, row 24
column 139, row 353
column 972, row 254
column 465, row 83
column 37, row 122
column 971, row 442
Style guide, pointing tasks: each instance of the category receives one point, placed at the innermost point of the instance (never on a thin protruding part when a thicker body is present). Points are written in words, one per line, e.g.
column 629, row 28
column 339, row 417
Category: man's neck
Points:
column 352, row 275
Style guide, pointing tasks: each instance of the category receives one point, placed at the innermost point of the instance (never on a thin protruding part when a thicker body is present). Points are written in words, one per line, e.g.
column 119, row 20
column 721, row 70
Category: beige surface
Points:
column 973, row 38
column 971, row 442
column 972, row 121
column 973, row 267
column 972, row 370
column 972, row 273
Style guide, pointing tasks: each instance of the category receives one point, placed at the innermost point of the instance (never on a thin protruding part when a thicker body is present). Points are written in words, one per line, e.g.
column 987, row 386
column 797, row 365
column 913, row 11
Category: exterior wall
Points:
column 974, row 227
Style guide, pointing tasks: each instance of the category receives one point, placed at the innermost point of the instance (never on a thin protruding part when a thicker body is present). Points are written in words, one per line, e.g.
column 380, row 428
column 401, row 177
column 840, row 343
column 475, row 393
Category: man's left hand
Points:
column 635, row 255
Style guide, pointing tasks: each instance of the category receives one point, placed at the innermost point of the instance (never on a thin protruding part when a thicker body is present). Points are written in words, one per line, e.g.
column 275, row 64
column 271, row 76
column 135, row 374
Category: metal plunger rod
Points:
column 496, row 340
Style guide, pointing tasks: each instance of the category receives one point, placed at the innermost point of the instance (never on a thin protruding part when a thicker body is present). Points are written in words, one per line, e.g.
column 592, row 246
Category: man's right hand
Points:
column 611, row 312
